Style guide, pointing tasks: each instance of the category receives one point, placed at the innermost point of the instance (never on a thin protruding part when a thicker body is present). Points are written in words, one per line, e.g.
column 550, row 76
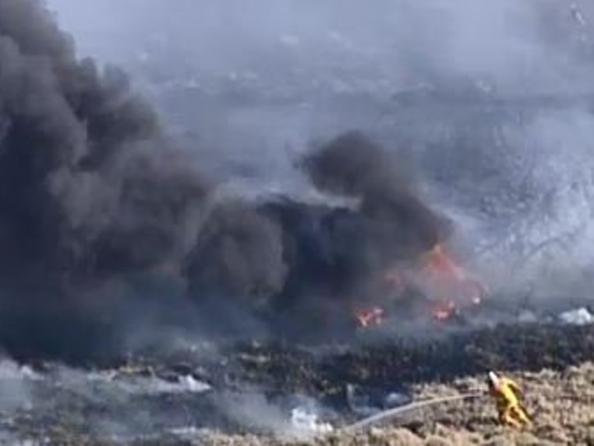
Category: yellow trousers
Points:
column 514, row 415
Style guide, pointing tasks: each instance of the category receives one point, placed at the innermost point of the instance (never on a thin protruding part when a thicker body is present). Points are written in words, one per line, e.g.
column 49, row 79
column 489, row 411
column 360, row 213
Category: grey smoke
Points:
column 91, row 187
column 95, row 198
column 107, row 225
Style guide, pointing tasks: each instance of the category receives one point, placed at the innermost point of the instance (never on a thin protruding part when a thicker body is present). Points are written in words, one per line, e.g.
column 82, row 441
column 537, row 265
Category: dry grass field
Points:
column 562, row 404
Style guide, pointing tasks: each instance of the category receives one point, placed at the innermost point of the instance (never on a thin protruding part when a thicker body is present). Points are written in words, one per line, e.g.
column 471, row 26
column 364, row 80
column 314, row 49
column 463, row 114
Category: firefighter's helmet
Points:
column 493, row 380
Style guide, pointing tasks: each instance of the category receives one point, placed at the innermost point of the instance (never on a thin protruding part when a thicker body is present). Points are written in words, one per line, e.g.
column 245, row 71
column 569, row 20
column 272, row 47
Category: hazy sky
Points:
column 507, row 41
column 272, row 74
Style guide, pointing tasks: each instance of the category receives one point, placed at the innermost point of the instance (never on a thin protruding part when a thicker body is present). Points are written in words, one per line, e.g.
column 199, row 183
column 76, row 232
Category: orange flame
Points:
column 451, row 281
column 448, row 288
column 444, row 282
column 444, row 311
column 373, row 317
column 439, row 262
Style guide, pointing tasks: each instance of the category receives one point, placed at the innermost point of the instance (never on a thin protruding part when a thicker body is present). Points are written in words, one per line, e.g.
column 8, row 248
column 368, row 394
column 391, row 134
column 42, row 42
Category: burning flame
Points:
column 444, row 311
column 373, row 317
column 447, row 286
column 440, row 264
column 450, row 281
column 443, row 281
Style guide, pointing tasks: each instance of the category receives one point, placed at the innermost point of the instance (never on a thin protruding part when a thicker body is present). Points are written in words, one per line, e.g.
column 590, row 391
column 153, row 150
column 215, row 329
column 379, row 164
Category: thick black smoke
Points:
column 89, row 189
column 355, row 166
column 314, row 263
column 84, row 174
column 94, row 199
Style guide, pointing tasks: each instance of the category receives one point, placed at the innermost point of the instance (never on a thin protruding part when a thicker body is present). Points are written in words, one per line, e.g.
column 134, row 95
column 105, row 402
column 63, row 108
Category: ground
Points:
column 561, row 402
column 244, row 393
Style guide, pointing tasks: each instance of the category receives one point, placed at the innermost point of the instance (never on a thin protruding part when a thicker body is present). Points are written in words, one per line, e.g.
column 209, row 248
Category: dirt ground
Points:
column 561, row 403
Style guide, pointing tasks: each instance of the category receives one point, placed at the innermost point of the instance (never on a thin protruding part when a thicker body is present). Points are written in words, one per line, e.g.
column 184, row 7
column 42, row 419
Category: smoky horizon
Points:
column 288, row 167
column 280, row 221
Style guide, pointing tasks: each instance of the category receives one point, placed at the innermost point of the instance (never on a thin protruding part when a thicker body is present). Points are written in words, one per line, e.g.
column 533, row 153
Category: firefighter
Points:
column 508, row 398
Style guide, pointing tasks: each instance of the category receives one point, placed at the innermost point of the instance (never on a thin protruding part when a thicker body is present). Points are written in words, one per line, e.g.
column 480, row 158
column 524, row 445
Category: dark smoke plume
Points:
column 88, row 188
column 239, row 254
column 94, row 199
column 308, row 261
column 355, row 166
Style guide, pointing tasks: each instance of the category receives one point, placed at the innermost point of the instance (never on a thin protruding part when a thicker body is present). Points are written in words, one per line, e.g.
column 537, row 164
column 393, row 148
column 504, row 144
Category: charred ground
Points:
column 186, row 395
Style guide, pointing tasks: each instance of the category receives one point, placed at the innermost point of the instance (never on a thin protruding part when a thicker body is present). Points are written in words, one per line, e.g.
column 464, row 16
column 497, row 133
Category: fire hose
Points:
column 409, row 407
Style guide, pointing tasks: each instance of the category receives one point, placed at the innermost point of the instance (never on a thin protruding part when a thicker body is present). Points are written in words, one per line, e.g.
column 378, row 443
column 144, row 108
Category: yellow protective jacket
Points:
column 508, row 397
column 508, row 393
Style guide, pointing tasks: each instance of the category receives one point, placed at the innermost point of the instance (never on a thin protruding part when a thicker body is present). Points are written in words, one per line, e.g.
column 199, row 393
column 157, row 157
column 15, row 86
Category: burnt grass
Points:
column 279, row 370
column 324, row 371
